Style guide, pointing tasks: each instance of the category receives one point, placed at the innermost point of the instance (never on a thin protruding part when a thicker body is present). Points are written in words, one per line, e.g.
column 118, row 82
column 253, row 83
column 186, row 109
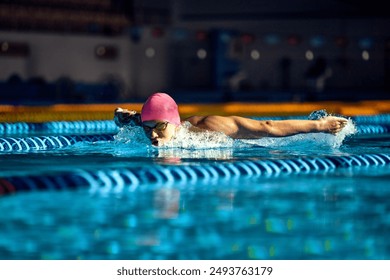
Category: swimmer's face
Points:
column 159, row 132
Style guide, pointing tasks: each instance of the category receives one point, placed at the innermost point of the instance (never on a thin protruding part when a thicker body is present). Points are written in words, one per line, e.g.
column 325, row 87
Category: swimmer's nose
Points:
column 154, row 139
column 153, row 134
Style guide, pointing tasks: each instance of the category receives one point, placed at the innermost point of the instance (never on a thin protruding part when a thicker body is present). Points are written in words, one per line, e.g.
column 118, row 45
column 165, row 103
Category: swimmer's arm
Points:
column 124, row 117
column 244, row 128
column 282, row 128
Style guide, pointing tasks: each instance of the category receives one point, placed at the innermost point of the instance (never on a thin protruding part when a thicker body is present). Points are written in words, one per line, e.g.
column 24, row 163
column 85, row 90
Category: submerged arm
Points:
column 244, row 128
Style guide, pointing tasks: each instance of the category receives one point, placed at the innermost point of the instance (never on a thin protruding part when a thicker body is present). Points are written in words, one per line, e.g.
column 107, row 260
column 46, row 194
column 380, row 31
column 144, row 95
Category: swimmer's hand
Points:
column 332, row 124
column 124, row 117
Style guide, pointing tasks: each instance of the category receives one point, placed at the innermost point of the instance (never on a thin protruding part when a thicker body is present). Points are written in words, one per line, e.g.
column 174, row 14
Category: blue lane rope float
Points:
column 376, row 119
column 127, row 179
column 81, row 126
column 102, row 126
column 373, row 129
column 17, row 144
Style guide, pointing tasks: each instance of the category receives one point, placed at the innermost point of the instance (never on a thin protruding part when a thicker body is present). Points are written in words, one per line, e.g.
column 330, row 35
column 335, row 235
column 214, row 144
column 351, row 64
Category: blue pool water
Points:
column 88, row 191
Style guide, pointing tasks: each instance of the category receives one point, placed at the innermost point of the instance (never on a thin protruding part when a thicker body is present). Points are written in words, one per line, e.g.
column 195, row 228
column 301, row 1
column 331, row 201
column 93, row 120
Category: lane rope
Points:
column 18, row 144
column 128, row 179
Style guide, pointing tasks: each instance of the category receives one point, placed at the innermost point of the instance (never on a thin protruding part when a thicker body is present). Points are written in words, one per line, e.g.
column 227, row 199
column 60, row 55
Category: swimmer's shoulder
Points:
column 195, row 120
column 201, row 121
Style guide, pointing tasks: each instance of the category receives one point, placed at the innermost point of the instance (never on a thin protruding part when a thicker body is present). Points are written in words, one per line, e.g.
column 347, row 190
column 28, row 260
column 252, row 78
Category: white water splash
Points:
column 209, row 141
column 215, row 153
column 191, row 144
column 132, row 135
column 187, row 139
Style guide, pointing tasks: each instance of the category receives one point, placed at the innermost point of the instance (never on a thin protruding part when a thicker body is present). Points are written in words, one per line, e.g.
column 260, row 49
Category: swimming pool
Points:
column 84, row 190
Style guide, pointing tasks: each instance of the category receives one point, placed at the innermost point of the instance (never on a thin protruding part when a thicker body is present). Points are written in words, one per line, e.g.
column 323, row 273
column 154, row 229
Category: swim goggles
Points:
column 160, row 127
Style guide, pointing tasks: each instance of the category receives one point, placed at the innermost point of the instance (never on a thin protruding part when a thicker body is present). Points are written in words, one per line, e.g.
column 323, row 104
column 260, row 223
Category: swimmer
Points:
column 160, row 120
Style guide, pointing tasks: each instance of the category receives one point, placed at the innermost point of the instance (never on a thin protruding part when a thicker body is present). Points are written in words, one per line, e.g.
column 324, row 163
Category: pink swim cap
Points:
column 160, row 106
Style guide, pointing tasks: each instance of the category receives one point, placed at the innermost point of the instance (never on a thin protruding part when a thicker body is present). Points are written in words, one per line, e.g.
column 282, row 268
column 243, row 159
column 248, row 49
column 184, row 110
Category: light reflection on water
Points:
column 310, row 217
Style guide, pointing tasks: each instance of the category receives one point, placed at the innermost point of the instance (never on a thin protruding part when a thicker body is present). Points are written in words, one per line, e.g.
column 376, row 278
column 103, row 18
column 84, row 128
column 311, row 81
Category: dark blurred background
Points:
column 94, row 51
